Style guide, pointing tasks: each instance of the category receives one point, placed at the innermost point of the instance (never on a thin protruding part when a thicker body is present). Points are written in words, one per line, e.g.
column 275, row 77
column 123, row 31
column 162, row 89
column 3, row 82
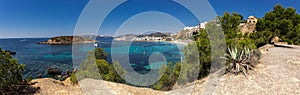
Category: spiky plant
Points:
column 239, row 60
column 248, row 55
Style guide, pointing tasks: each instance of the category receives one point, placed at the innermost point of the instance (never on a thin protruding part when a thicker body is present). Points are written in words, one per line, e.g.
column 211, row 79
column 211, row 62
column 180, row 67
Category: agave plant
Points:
column 239, row 60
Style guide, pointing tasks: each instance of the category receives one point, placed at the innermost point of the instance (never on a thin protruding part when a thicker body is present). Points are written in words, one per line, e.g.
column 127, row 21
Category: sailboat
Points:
column 96, row 44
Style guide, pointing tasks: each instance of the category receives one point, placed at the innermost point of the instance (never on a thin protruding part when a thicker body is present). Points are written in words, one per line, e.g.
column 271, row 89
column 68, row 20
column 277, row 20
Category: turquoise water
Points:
column 38, row 58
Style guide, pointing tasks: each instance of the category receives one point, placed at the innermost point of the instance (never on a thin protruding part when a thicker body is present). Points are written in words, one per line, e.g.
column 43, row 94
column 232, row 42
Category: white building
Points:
column 191, row 27
column 201, row 26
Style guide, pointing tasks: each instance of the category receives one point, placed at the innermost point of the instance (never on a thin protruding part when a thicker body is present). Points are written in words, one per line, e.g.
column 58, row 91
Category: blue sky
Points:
column 47, row 18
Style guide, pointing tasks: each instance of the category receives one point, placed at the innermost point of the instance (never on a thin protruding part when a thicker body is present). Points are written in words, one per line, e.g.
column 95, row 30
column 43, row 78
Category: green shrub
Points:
column 239, row 60
column 95, row 66
column 98, row 53
column 204, row 49
column 73, row 78
column 10, row 70
column 29, row 79
column 167, row 80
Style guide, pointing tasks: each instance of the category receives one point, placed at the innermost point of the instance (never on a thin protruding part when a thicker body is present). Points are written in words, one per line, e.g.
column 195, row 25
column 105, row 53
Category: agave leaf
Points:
column 238, row 68
column 244, row 72
column 251, row 67
column 248, row 68
column 248, row 52
column 241, row 55
column 235, row 53
column 232, row 53
column 229, row 51
column 223, row 57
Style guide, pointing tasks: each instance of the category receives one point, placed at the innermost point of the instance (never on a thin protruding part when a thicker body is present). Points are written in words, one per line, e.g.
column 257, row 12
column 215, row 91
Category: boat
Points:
column 96, row 44
column 23, row 40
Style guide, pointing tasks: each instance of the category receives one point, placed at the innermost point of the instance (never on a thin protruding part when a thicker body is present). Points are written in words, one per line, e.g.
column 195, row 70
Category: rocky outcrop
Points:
column 187, row 34
column 95, row 87
column 53, row 71
column 11, row 52
column 50, row 86
column 65, row 40
column 275, row 39
column 265, row 48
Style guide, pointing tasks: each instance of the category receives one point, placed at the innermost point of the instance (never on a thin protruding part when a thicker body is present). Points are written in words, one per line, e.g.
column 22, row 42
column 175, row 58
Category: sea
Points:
column 140, row 55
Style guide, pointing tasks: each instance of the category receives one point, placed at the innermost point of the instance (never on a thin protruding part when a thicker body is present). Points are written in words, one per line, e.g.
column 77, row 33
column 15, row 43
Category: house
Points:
column 188, row 32
column 249, row 26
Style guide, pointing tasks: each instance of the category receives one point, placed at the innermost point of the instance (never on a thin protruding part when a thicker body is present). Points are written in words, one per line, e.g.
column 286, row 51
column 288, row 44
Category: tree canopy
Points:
column 282, row 22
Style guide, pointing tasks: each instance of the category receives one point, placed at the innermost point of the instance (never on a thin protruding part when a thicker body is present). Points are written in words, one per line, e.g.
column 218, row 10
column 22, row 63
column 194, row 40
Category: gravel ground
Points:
column 277, row 73
column 50, row 86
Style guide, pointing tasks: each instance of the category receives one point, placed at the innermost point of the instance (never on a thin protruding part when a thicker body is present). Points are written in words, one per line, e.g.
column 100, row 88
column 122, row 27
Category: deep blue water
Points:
column 38, row 58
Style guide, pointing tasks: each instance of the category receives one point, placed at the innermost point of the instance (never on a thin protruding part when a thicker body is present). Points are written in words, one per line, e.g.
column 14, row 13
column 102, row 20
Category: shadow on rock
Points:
column 22, row 89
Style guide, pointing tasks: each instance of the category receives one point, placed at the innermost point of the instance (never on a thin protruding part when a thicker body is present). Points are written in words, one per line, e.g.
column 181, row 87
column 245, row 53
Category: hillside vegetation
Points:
column 281, row 22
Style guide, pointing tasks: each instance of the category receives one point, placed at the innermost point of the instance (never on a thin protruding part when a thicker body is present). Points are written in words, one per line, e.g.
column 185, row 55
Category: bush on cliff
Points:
column 95, row 66
column 10, row 71
column 73, row 78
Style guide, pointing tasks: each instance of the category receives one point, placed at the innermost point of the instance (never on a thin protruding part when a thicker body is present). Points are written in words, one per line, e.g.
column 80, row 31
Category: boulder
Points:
column 275, row 39
column 53, row 71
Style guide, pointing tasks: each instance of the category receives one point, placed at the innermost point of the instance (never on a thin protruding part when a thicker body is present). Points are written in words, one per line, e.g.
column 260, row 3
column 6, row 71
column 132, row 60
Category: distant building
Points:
column 200, row 26
column 191, row 27
column 252, row 20
column 169, row 39
column 188, row 32
column 249, row 26
column 173, row 34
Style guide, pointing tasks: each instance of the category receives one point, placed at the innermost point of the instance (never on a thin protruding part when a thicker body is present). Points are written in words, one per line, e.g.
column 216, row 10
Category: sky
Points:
column 48, row 18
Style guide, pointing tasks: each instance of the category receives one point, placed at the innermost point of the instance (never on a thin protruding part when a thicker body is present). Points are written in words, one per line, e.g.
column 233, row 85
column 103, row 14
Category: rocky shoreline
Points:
column 185, row 42
column 67, row 40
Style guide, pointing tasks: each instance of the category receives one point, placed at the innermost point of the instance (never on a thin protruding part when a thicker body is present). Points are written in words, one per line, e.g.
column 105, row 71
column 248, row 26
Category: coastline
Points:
column 226, row 84
column 184, row 42
column 66, row 43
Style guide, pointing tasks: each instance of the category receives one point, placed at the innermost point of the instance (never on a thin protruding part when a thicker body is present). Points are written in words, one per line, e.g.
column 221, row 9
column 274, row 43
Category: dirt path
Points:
column 277, row 73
